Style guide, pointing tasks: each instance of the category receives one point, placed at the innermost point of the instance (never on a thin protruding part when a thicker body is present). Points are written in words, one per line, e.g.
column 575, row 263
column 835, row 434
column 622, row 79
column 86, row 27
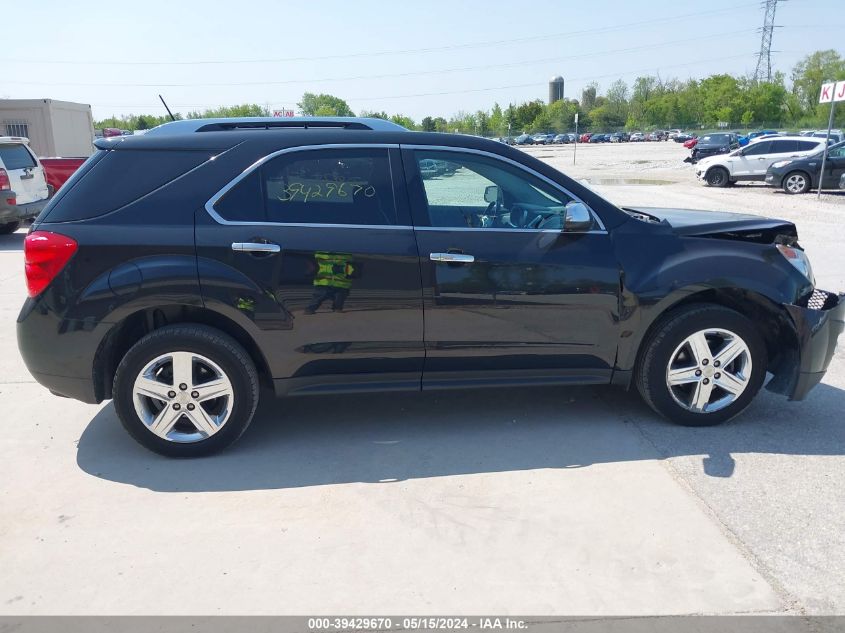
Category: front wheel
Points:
column 702, row 365
column 718, row 177
column 796, row 182
column 186, row 390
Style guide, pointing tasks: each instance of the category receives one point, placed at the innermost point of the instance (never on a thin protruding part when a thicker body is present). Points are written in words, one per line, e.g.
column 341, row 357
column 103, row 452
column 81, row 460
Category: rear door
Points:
column 313, row 249
column 510, row 295
column 834, row 167
column 26, row 176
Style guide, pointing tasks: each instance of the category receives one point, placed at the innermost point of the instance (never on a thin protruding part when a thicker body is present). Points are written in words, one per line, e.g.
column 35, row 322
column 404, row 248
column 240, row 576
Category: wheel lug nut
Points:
column 195, row 394
column 177, row 406
column 183, row 386
column 705, row 361
column 697, row 372
column 716, row 363
column 706, row 381
column 191, row 406
column 717, row 376
column 171, row 394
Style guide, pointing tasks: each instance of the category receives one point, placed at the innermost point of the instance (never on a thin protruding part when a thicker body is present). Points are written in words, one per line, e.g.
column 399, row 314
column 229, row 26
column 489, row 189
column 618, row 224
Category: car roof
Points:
column 14, row 139
column 780, row 137
column 189, row 126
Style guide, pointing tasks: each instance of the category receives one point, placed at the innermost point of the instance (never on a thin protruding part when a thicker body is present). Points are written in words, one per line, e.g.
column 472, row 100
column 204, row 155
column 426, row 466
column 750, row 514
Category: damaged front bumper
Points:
column 818, row 322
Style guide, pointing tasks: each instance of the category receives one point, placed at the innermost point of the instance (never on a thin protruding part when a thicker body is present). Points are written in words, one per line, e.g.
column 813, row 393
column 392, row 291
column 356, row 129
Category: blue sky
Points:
column 414, row 58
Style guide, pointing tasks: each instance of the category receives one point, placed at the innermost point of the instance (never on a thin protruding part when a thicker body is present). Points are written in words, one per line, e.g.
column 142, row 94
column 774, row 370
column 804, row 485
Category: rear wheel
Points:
column 186, row 390
column 11, row 227
column 796, row 182
column 718, row 177
column 702, row 365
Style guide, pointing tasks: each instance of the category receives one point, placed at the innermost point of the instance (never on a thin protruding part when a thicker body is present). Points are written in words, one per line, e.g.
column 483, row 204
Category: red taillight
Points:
column 45, row 254
column 5, row 185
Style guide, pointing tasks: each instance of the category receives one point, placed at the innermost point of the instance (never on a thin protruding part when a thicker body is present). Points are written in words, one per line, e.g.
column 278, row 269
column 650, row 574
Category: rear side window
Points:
column 337, row 186
column 120, row 178
column 15, row 156
column 807, row 146
column 784, row 147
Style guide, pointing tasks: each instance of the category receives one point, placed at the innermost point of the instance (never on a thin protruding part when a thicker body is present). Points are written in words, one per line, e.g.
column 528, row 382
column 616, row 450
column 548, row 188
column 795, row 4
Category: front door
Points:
column 312, row 251
column 834, row 167
column 510, row 294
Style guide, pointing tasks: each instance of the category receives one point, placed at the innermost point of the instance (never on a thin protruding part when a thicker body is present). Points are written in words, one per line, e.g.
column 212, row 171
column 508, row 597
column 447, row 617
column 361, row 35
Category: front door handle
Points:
column 452, row 258
column 255, row 247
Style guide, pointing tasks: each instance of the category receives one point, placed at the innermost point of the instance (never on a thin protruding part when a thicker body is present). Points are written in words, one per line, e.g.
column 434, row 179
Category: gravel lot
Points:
column 541, row 501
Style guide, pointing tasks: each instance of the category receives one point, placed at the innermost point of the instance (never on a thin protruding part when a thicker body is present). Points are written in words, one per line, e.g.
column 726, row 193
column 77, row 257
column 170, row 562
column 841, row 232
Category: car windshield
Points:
column 714, row 138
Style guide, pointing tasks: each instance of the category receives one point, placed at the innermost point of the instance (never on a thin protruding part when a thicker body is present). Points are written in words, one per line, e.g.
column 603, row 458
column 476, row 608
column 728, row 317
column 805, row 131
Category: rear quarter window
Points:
column 15, row 156
column 120, row 178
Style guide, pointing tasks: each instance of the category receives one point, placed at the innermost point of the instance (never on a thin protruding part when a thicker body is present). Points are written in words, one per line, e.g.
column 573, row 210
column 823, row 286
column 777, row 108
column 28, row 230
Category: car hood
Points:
column 722, row 224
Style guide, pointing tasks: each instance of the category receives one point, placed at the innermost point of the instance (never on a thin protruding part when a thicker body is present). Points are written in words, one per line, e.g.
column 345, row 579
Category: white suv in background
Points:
column 752, row 161
column 23, row 185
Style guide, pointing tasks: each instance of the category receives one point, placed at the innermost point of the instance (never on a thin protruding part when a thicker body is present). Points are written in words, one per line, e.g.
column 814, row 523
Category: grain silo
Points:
column 555, row 89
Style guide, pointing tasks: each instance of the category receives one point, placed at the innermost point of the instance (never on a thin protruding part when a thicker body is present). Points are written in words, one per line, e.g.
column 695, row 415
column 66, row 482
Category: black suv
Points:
column 179, row 271
column 713, row 144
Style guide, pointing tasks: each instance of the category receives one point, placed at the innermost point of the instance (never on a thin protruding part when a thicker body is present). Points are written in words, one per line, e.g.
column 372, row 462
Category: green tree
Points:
column 404, row 121
column 427, row 124
column 323, row 105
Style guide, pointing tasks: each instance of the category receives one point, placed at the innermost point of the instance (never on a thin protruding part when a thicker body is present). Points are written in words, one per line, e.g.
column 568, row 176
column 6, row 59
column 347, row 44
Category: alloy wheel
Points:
column 796, row 183
column 183, row 397
column 709, row 370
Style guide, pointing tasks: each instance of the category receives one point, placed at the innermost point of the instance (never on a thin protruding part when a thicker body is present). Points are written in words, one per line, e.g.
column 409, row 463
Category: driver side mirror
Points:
column 491, row 194
column 577, row 217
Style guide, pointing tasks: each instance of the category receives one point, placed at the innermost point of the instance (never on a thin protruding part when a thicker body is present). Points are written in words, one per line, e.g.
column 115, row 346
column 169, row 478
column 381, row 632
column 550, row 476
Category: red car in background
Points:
column 691, row 143
column 58, row 170
column 585, row 138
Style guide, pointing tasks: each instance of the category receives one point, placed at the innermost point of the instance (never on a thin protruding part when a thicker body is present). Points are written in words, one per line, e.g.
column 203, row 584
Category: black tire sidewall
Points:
column 9, row 227
column 669, row 336
column 718, row 170
column 212, row 344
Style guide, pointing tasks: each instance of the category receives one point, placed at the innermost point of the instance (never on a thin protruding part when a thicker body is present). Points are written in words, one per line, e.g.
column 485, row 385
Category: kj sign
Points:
column 833, row 91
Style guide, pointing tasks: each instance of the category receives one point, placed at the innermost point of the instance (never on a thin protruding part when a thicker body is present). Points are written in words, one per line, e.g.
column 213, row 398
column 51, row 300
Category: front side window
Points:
column 337, row 186
column 763, row 147
column 468, row 190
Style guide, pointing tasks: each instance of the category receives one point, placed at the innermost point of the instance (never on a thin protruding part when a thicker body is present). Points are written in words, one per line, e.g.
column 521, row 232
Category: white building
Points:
column 54, row 128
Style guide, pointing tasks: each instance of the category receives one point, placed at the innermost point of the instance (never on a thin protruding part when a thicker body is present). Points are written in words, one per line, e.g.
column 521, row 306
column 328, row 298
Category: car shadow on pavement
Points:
column 388, row 438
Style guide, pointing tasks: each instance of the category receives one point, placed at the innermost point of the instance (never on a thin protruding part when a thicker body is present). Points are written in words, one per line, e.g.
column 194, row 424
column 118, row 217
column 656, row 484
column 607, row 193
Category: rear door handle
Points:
column 452, row 258
column 255, row 247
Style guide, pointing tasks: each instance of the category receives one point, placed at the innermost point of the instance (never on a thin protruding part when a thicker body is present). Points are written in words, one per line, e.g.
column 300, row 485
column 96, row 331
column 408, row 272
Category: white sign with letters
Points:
column 832, row 91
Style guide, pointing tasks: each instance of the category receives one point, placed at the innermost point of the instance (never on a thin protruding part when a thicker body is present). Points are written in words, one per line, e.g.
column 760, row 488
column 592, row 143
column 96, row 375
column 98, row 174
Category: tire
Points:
column 11, row 227
column 718, row 177
column 796, row 182
column 666, row 350
column 214, row 358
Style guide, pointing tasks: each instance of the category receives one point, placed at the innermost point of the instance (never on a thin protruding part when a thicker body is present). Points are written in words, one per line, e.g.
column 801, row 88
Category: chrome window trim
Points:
column 518, row 165
column 209, row 206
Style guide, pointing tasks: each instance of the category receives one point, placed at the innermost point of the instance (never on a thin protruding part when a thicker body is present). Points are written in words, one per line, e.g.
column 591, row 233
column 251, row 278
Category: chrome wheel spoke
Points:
column 183, row 369
column 153, row 389
column 699, row 347
column 202, row 421
column 212, row 389
column 732, row 383
column 729, row 352
column 165, row 420
column 701, row 396
column 683, row 376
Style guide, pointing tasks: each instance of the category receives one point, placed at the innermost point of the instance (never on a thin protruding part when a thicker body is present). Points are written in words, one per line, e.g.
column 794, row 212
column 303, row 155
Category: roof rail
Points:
column 189, row 126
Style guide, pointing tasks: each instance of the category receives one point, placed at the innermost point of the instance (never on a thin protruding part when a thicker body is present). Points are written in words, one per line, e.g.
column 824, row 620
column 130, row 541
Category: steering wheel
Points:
column 535, row 222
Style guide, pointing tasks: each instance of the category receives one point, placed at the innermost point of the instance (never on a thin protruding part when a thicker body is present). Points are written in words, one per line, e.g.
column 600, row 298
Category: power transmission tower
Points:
column 764, row 57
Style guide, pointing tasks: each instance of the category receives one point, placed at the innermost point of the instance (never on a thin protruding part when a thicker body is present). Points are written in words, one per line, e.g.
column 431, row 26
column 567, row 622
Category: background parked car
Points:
column 23, row 185
column 712, row 144
column 799, row 175
column 619, row 137
column 522, row 139
column 58, row 170
column 689, row 144
column 637, row 137
column 585, row 137
column 541, row 139
column 561, row 138
column 752, row 161
column 836, row 136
